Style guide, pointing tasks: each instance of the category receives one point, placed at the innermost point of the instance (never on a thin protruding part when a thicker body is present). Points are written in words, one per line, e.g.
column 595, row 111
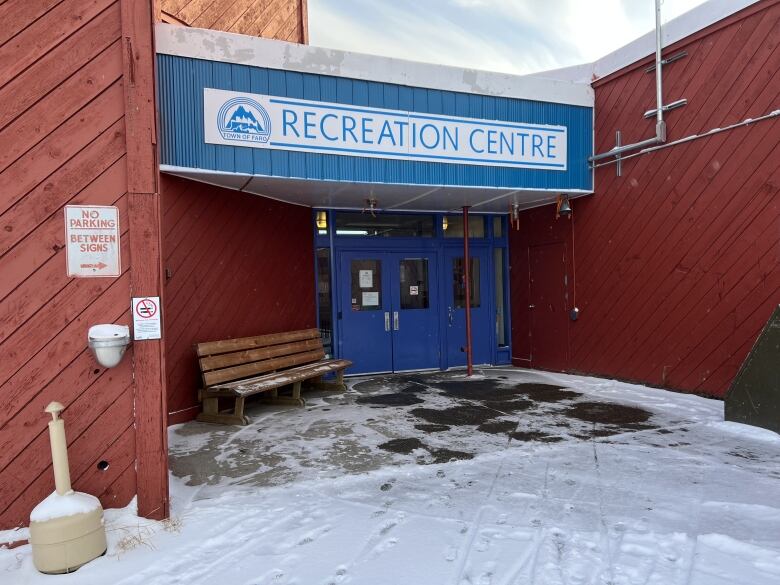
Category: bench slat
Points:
column 227, row 360
column 242, row 343
column 278, row 379
column 250, row 369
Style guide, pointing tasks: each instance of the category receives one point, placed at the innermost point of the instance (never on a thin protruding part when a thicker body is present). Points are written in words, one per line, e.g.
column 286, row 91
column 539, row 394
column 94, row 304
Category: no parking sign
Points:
column 146, row 318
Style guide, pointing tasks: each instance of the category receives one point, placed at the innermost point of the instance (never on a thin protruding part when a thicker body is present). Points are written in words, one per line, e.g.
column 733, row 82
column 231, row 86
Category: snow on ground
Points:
column 515, row 477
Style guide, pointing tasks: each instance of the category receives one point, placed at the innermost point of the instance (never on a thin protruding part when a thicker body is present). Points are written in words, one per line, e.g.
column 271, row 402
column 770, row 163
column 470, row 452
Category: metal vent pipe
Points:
column 660, row 125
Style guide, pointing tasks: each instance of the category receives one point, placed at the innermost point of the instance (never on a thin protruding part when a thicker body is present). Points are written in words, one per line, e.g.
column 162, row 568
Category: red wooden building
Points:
column 672, row 263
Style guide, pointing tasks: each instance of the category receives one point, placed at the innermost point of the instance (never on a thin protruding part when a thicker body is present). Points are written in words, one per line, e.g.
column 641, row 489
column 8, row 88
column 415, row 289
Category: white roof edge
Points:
column 675, row 30
column 225, row 47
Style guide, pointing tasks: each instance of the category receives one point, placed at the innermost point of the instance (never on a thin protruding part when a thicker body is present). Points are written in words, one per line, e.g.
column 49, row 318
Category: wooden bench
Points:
column 237, row 368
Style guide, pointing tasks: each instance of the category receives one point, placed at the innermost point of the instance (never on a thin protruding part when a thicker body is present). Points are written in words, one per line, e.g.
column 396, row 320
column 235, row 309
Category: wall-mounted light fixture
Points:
column 445, row 223
column 563, row 208
column 322, row 220
column 515, row 215
column 371, row 206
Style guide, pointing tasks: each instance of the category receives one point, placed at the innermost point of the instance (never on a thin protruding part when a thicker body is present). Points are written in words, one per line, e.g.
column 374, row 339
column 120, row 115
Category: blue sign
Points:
column 260, row 121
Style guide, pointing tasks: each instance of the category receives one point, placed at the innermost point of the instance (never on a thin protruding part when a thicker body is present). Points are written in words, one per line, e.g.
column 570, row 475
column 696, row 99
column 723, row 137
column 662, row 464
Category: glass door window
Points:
column 498, row 271
column 413, row 283
column 324, row 299
column 459, row 283
column 481, row 323
column 366, row 285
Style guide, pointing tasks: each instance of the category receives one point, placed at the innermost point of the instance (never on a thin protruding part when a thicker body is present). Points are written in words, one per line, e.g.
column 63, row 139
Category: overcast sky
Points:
column 514, row 36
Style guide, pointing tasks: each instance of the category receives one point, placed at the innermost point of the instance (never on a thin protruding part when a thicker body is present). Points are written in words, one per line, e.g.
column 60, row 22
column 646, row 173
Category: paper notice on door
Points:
column 366, row 278
column 414, row 291
column 370, row 299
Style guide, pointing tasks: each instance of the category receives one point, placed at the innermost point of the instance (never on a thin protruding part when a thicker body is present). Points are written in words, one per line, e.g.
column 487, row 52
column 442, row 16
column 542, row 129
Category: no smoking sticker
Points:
column 146, row 318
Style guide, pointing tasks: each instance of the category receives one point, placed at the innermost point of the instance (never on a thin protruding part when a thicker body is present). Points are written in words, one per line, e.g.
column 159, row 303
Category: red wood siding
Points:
column 274, row 19
column 143, row 201
column 538, row 227
column 239, row 265
column 676, row 260
column 62, row 140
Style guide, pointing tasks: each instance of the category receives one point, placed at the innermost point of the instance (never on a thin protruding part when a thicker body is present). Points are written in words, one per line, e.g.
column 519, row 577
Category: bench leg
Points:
column 296, row 391
column 238, row 409
column 294, row 400
column 335, row 386
column 211, row 413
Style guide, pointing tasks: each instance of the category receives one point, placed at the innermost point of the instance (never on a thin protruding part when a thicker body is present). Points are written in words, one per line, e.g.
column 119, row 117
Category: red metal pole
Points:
column 467, row 276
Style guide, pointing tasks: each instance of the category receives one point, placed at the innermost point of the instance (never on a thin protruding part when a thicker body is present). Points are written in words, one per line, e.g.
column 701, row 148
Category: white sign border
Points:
column 154, row 323
column 118, row 242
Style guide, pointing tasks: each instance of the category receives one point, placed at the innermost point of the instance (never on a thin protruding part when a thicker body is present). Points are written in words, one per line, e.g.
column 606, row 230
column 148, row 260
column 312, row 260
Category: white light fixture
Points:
column 515, row 215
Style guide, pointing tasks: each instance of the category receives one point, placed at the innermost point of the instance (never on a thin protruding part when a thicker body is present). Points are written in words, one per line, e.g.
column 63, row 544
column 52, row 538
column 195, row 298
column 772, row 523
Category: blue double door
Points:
column 402, row 311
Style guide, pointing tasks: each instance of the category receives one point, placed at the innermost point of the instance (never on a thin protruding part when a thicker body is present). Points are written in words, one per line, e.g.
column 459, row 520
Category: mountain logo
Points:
column 244, row 120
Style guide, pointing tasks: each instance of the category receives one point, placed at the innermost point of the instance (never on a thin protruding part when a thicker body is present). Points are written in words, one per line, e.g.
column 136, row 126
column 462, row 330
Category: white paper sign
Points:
column 262, row 121
column 414, row 291
column 370, row 299
column 146, row 318
column 366, row 278
column 92, row 236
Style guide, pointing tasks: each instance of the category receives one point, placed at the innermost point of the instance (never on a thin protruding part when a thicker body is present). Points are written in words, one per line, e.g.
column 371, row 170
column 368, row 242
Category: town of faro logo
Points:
column 245, row 120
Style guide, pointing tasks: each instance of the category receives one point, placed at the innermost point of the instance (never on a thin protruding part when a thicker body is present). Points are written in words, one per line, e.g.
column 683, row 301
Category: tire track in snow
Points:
column 694, row 534
column 474, row 528
column 603, row 528
column 531, row 553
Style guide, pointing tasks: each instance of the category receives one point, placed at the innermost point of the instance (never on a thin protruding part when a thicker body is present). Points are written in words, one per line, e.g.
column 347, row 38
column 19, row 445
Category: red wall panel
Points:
column 62, row 141
column 676, row 260
column 239, row 265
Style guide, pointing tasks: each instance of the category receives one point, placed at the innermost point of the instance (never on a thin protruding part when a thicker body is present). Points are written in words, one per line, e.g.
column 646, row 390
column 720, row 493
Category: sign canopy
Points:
column 331, row 129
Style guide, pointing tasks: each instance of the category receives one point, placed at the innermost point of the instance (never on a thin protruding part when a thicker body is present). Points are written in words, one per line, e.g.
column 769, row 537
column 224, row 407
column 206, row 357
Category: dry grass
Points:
column 141, row 534
column 134, row 537
column 172, row 524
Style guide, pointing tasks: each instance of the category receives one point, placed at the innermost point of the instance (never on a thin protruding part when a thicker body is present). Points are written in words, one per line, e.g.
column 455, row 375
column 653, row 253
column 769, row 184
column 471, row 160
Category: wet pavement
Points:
column 433, row 418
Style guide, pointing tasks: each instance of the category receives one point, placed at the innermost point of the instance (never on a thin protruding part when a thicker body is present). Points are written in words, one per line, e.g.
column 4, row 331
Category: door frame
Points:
column 437, row 246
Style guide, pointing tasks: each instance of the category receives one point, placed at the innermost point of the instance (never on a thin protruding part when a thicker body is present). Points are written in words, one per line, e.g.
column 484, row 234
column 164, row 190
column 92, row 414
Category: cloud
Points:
column 513, row 36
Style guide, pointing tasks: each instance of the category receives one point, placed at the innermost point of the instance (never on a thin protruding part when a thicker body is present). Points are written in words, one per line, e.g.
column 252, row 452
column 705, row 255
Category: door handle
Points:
column 387, row 321
column 449, row 315
column 395, row 320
